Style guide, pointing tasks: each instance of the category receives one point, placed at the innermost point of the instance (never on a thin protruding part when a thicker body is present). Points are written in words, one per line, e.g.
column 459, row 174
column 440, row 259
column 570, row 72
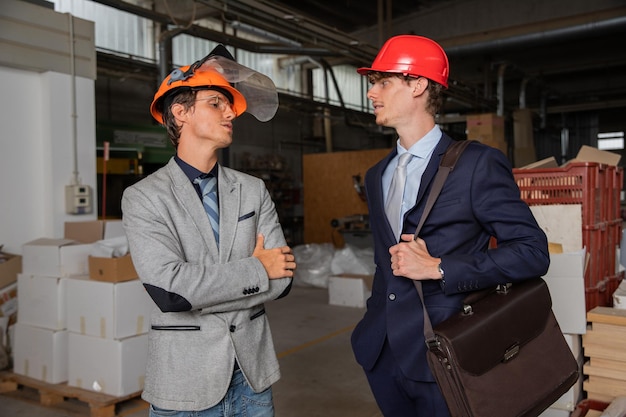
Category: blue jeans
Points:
column 239, row 401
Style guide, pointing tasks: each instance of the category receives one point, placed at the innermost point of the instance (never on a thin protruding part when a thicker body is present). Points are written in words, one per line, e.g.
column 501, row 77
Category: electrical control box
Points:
column 78, row 199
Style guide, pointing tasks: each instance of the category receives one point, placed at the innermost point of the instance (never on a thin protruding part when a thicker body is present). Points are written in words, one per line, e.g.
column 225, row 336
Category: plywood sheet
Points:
column 329, row 191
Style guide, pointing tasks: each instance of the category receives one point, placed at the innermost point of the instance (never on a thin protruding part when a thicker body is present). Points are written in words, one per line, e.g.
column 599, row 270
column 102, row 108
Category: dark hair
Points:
column 435, row 90
column 184, row 96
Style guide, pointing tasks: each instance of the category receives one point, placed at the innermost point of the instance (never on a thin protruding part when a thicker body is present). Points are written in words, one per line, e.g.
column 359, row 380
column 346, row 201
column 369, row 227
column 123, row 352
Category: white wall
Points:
column 37, row 152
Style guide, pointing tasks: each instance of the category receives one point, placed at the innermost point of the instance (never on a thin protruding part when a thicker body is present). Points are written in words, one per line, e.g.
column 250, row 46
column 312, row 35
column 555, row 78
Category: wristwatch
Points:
column 443, row 275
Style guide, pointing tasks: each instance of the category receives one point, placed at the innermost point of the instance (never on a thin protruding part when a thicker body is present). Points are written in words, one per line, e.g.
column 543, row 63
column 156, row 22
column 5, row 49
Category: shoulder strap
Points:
column 448, row 161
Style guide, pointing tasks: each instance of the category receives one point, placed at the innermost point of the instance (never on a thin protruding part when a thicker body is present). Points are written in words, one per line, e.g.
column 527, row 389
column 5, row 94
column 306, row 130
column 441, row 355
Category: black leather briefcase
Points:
column 504, row 356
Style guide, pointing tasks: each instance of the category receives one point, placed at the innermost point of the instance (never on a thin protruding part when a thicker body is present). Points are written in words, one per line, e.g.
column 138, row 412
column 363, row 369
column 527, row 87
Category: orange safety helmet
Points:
column 250, row 90
column 198, row 79
column 412, row 55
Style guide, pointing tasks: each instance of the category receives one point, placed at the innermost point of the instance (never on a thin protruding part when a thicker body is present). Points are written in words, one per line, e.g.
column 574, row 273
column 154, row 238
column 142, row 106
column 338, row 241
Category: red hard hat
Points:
column 412, row 55
column 201, row 78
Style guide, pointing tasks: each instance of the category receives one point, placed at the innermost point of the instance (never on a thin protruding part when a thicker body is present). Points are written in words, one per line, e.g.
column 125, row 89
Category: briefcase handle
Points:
column 476, row 296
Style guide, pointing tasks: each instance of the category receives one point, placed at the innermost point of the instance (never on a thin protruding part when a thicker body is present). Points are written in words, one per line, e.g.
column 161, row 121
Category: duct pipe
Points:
column 500, row 93
column 564, row 140
column 566, row 33
column 74, row 115
column 543, row 109
column 522, row 93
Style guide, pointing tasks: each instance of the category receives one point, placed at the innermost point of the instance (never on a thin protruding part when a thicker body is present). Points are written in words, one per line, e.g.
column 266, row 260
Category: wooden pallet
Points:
column 99, row 405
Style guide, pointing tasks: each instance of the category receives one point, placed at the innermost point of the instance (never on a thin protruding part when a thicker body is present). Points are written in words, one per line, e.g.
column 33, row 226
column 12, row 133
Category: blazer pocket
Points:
column 246, row 216
column 177, row 328
column 257, row 314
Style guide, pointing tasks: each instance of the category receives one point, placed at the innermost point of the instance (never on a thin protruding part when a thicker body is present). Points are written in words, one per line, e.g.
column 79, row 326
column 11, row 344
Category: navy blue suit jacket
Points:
column 480, row 199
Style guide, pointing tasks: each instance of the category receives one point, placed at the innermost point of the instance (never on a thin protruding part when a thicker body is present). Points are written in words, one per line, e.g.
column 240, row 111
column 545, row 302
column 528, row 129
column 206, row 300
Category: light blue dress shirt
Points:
column 422, row 150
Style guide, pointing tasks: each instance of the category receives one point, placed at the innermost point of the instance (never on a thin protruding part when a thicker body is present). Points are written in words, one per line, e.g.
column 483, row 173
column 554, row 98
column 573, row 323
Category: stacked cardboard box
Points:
column 40, row 345
column 565, row 279
column 605, row 346
column 10, row 267
column 89, row 330
column 487, row 128
column 108, row 342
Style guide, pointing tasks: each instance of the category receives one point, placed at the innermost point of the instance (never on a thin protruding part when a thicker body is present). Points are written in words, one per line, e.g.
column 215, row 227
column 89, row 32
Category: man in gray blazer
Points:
column 210, row 346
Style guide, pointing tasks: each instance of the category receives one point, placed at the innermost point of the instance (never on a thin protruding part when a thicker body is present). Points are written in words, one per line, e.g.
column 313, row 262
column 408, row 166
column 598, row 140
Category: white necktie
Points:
column 393, row 206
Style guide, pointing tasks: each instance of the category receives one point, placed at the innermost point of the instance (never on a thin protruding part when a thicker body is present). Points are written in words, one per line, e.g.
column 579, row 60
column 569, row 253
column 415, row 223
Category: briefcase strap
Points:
column 448, row 161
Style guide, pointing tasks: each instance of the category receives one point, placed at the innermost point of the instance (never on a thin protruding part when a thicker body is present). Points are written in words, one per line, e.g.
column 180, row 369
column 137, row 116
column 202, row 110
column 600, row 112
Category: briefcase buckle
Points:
column 503, row 288
column 433, row 344
column 511, row 353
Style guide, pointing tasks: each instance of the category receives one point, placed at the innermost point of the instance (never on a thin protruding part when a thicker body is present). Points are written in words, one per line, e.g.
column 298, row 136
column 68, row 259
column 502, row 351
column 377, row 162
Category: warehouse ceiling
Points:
column 561, row 62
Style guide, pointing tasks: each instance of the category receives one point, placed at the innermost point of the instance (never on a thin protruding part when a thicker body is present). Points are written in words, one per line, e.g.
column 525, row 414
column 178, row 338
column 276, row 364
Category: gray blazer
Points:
column 210, row 303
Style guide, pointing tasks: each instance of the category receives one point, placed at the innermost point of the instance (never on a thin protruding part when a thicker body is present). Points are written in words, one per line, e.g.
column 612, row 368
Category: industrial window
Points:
column 611, row 141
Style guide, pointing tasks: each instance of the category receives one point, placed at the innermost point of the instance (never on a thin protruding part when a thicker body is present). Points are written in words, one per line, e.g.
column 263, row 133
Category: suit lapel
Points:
column 230, row 201
column 187, row 195
column 377, row 205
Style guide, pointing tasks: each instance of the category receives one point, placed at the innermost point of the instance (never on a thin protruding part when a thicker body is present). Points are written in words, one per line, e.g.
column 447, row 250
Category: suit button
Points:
column 392, row 297
column 232, row 328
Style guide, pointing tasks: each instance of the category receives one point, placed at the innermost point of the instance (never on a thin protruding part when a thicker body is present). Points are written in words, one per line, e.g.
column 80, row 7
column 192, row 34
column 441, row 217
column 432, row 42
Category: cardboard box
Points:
column 112, row 269
column 485, row 127
column 55, row 257
column 8, row 303
column 562, row 224
column 107, row 310
column 114, row 367
column 549, row 162
column 40, row 353
column 41, row 301
column 349, row 290
column 113, row 228
column 523, row 134
column 10, row 266
column 566, row 282
column 591, row 154
column 93, row 230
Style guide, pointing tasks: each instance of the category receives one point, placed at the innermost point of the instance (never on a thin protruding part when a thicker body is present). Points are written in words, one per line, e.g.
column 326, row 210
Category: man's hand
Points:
column 278, row 262
column 410, row 258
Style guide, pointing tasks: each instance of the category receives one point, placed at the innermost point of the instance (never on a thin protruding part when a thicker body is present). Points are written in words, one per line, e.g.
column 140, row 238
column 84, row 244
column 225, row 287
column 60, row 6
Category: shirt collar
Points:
column 193, row 173
column 423, row 147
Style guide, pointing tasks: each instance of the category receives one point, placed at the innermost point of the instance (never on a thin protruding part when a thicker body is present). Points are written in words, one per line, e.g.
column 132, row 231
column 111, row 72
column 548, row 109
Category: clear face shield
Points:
column 258, row 89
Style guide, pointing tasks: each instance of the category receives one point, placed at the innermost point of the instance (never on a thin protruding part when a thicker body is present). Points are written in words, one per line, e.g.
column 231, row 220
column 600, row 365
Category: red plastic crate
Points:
column 612, row 283
column 583, row 407
column 596, row 243
column 614, row 237
column 581, row 183
column 614, row 184
column 596, row 296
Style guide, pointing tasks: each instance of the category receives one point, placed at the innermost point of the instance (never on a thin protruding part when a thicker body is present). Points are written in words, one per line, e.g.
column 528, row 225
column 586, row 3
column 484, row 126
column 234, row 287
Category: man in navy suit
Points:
column 452, row 255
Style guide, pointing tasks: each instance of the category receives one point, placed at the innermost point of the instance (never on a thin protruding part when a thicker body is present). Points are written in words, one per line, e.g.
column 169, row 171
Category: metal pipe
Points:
column 74, row 115
column 500, row 93
column 538, row 37
column 522, row 93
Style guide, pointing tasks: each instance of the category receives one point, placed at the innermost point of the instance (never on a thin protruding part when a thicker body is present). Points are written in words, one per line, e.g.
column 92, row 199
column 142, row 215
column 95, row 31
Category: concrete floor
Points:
column 320, row 377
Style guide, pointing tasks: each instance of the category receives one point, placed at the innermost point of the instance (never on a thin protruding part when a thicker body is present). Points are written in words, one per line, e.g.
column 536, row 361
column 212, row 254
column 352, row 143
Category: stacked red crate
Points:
column 596, row 187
